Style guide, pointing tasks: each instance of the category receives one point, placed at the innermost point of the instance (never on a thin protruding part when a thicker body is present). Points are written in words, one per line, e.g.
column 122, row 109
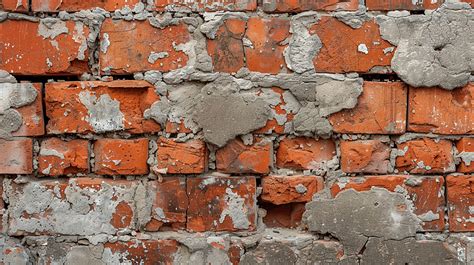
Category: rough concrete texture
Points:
column 435, row 49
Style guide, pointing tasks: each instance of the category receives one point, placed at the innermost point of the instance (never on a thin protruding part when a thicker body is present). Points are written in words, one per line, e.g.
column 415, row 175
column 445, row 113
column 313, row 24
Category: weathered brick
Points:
column 144, row 252
column 227, row 49
column 121, row 157
column 266, row 36
column 221, row 204
column 14, row 5
column 287, row 189
column 81, row 206
column 16, row 156
column 365, row 156
column 188, row 157
column 460, row 203
column 441, row 111
column 285, row 215
column 425, row 155
column 210, row 5
column 58, row 157
column 427, row 194
column 32, row 115
column 236, row 157
column 346, row 49
column 402, row 4
column 282, row 112
column 303, row 153
column 465, row 148
column 78, row 5
column 305, row 5
column 66, row 53
column 170, row 203
column 381, row 109
column 85, row 107
column 148, row 42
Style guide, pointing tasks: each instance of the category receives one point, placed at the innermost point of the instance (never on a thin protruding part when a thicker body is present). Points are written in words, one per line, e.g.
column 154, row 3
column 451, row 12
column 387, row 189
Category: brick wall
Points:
column 236, row 132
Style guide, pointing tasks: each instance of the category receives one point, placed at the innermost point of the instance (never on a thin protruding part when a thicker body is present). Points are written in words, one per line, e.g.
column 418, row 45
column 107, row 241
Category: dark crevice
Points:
column 380, row 77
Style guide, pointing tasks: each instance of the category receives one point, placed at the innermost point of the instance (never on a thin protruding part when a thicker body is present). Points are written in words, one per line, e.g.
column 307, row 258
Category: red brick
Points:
column 402, row 4
column 340, row 53
column 71, row 207
column 305, row 5
column 87, row 107
column 381, row 109
column 29, row 53
column 14, row 5
column 287, row 189
column 281, row 109
column 121, row 157
column 465, row 148
column 460, row 203
column 170, row 203
column 227, row 50
column 366, row 156
column 145, row 252
column 78, row 5
column 33, row 121
column 117, row 36
column 427, row 193
column 16, row 156
column 236, row 157
column 304, row 153
column 286, row 215
column 58, row 157
column 188, row 157
column 441, row 111
column 209, row 5
column 425, row 155
column 266, row 35
column 221, row 204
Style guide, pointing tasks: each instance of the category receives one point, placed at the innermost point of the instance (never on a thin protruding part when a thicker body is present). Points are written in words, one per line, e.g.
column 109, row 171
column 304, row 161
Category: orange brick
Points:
column 16, row 156
column 441, row 111
column 304, row 153
column 367, row 156
column 72, row 207
column 14, row 5
column 33, row 121
column 236, row 157
column 144, row 252
column 402, row 4
column 78, row 5
column 85, row 107
column 117, row 36
column 460, row 203
column 285, row 215
column 427, row 194
column 287, row 189
column 266, row 35
column 58, row 157
column 30, row 53
column 305, row 5
column 182, row 158
column 170, row 204
column 221, row 204
column 360, row 52
column 425, row 156
column 121, row 157
column 209, row 5
column 465, row 148
column 273, row 126
column 381, row 109
column 227, row 50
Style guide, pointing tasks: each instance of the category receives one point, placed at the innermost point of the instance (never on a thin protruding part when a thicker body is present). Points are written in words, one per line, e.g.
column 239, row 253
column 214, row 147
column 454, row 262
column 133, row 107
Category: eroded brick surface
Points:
column 460, row 202
column 288, row 189
column 369, row 156
column 221, row 204
column 77, row 5
column 304, row 153
column 83, row 107
column 16, row 156
column 58, row 157
column 121, row 157
column 236, row 157
column 465, row 149
column 188, row 157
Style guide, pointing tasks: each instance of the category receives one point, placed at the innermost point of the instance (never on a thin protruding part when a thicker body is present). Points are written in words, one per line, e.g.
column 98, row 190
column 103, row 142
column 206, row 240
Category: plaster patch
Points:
column 104, row 113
